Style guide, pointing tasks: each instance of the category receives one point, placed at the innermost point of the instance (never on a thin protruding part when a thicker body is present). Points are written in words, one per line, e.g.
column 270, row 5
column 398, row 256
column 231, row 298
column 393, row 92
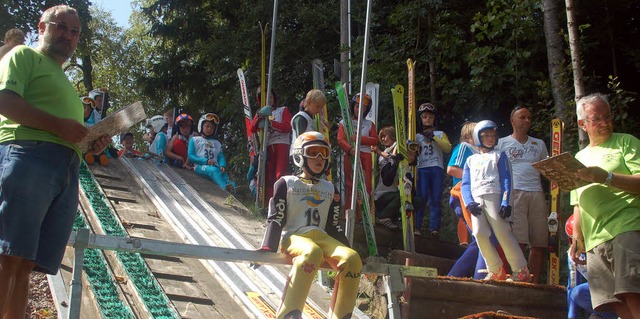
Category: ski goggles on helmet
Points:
column 211, row 117
column 426, row 107
column 366, row 102
column 315, row 151
column 89, row 101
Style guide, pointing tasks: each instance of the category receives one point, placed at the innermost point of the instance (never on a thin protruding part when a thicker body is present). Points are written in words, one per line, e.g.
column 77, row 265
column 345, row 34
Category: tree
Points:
column 556, row 57
column 578, row 81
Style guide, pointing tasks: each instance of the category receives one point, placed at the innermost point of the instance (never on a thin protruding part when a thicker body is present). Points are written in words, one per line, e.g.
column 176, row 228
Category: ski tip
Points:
column 398, row 89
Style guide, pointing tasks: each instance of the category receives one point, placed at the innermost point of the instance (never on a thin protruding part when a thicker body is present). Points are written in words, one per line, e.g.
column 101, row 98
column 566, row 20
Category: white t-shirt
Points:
column 521, row 156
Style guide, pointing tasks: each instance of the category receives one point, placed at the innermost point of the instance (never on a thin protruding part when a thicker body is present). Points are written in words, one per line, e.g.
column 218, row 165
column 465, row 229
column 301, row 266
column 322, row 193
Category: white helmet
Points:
column 479, row 128
column 157, row 122
column 209, row 117
column 95, row 93
column 301, row 145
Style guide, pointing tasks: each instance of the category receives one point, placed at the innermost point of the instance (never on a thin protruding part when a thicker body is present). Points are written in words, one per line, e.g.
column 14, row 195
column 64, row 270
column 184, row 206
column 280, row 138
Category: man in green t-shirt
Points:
column 607, row 211
column 41, row 120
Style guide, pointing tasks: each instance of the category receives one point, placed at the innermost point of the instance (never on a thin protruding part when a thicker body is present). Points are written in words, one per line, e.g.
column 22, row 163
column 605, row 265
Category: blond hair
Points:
column 466, row 132
column 316, row 96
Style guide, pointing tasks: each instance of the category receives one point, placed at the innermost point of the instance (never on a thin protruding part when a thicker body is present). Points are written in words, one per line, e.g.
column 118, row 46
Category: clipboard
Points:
column 560, row 169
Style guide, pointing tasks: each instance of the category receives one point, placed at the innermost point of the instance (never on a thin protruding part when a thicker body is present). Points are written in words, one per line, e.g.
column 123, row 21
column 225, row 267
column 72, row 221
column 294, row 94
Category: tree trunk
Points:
column 576, row 62
column 555, row 57
column 432, row 63
column 87, row 72
column 344, row 43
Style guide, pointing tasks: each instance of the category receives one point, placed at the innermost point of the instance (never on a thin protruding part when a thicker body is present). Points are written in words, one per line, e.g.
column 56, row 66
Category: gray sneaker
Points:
column 387, row 222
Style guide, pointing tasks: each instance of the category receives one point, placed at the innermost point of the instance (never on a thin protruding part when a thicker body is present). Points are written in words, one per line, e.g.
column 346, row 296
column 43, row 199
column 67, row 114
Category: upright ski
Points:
column 261, row 194
column 251, row 139
column 405, row 177
column 557, row 128
column 373, row 89
column 322, row 120
column 367, row 223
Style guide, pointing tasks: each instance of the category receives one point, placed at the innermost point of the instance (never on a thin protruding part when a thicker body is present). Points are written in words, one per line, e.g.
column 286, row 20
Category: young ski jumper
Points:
column 128, row 150
column 206, row 153
column 430, row 166
column 368, row 138
column 303, row 215
column 486, row 187
column 157, row 126
column 278, row 144
column 177, row 150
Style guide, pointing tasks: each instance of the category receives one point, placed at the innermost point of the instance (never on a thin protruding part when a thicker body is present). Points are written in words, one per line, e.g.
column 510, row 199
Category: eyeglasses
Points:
column 600, row 119
column 317, row 150
column 75, row 32
column 89, row 101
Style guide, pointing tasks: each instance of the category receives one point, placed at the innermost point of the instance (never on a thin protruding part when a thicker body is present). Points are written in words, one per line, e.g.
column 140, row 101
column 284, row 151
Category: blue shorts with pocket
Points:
column 38, row 201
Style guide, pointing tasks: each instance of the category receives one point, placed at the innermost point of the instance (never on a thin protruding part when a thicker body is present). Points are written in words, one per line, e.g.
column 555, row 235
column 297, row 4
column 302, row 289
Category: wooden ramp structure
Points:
column 173, row 260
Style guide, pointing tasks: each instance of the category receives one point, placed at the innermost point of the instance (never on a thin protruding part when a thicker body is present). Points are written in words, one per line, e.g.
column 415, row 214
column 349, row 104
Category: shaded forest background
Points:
column 475, row 59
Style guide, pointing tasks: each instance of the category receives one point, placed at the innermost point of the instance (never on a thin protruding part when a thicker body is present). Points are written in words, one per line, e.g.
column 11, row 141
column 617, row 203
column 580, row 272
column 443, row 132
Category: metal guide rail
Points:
column 215, row 241
column 394, row 274
column 191, row 225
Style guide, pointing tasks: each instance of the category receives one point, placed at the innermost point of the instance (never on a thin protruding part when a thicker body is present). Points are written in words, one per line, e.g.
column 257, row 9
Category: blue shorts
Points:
column 38, row 201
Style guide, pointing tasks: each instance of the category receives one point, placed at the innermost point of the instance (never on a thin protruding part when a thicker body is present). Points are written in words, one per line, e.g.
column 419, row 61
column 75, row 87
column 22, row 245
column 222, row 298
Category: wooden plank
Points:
column 113, row 124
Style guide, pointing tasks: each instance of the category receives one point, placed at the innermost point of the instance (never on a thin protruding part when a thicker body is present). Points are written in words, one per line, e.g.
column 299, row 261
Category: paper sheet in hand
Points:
column 113, row 124
column 560, row 169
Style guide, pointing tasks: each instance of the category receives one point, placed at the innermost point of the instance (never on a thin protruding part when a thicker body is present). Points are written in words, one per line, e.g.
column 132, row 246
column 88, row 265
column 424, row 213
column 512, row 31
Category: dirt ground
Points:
column 40, row 304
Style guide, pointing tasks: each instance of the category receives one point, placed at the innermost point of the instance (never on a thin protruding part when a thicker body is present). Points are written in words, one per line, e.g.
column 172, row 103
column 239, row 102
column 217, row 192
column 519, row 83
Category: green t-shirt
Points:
column 41, row 82
column 606, row 211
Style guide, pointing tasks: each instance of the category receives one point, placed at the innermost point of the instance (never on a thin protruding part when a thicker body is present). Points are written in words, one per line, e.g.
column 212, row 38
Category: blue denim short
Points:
column 38, row 201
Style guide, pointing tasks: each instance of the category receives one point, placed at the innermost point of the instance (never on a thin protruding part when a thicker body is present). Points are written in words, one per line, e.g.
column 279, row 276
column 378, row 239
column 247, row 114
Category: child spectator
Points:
column 303, row 215
column 471, row 263
column 206, row 153
column 386, row 194
column 486, row 189
column 459, row 156
column 177, row 149
column 430, row 166
column 128, row 151
column 98, row 96
column 157, row 126
column 278, row 144
column 368, row 138
column 89, row 105
column 304, row 121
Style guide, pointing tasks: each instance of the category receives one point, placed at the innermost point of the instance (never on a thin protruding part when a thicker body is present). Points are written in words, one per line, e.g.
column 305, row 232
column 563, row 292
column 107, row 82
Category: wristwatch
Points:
column 609, row 179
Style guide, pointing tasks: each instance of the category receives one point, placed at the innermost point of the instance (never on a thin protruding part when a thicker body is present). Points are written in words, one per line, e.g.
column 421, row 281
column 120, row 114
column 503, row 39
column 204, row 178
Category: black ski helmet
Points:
column 426, row 107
